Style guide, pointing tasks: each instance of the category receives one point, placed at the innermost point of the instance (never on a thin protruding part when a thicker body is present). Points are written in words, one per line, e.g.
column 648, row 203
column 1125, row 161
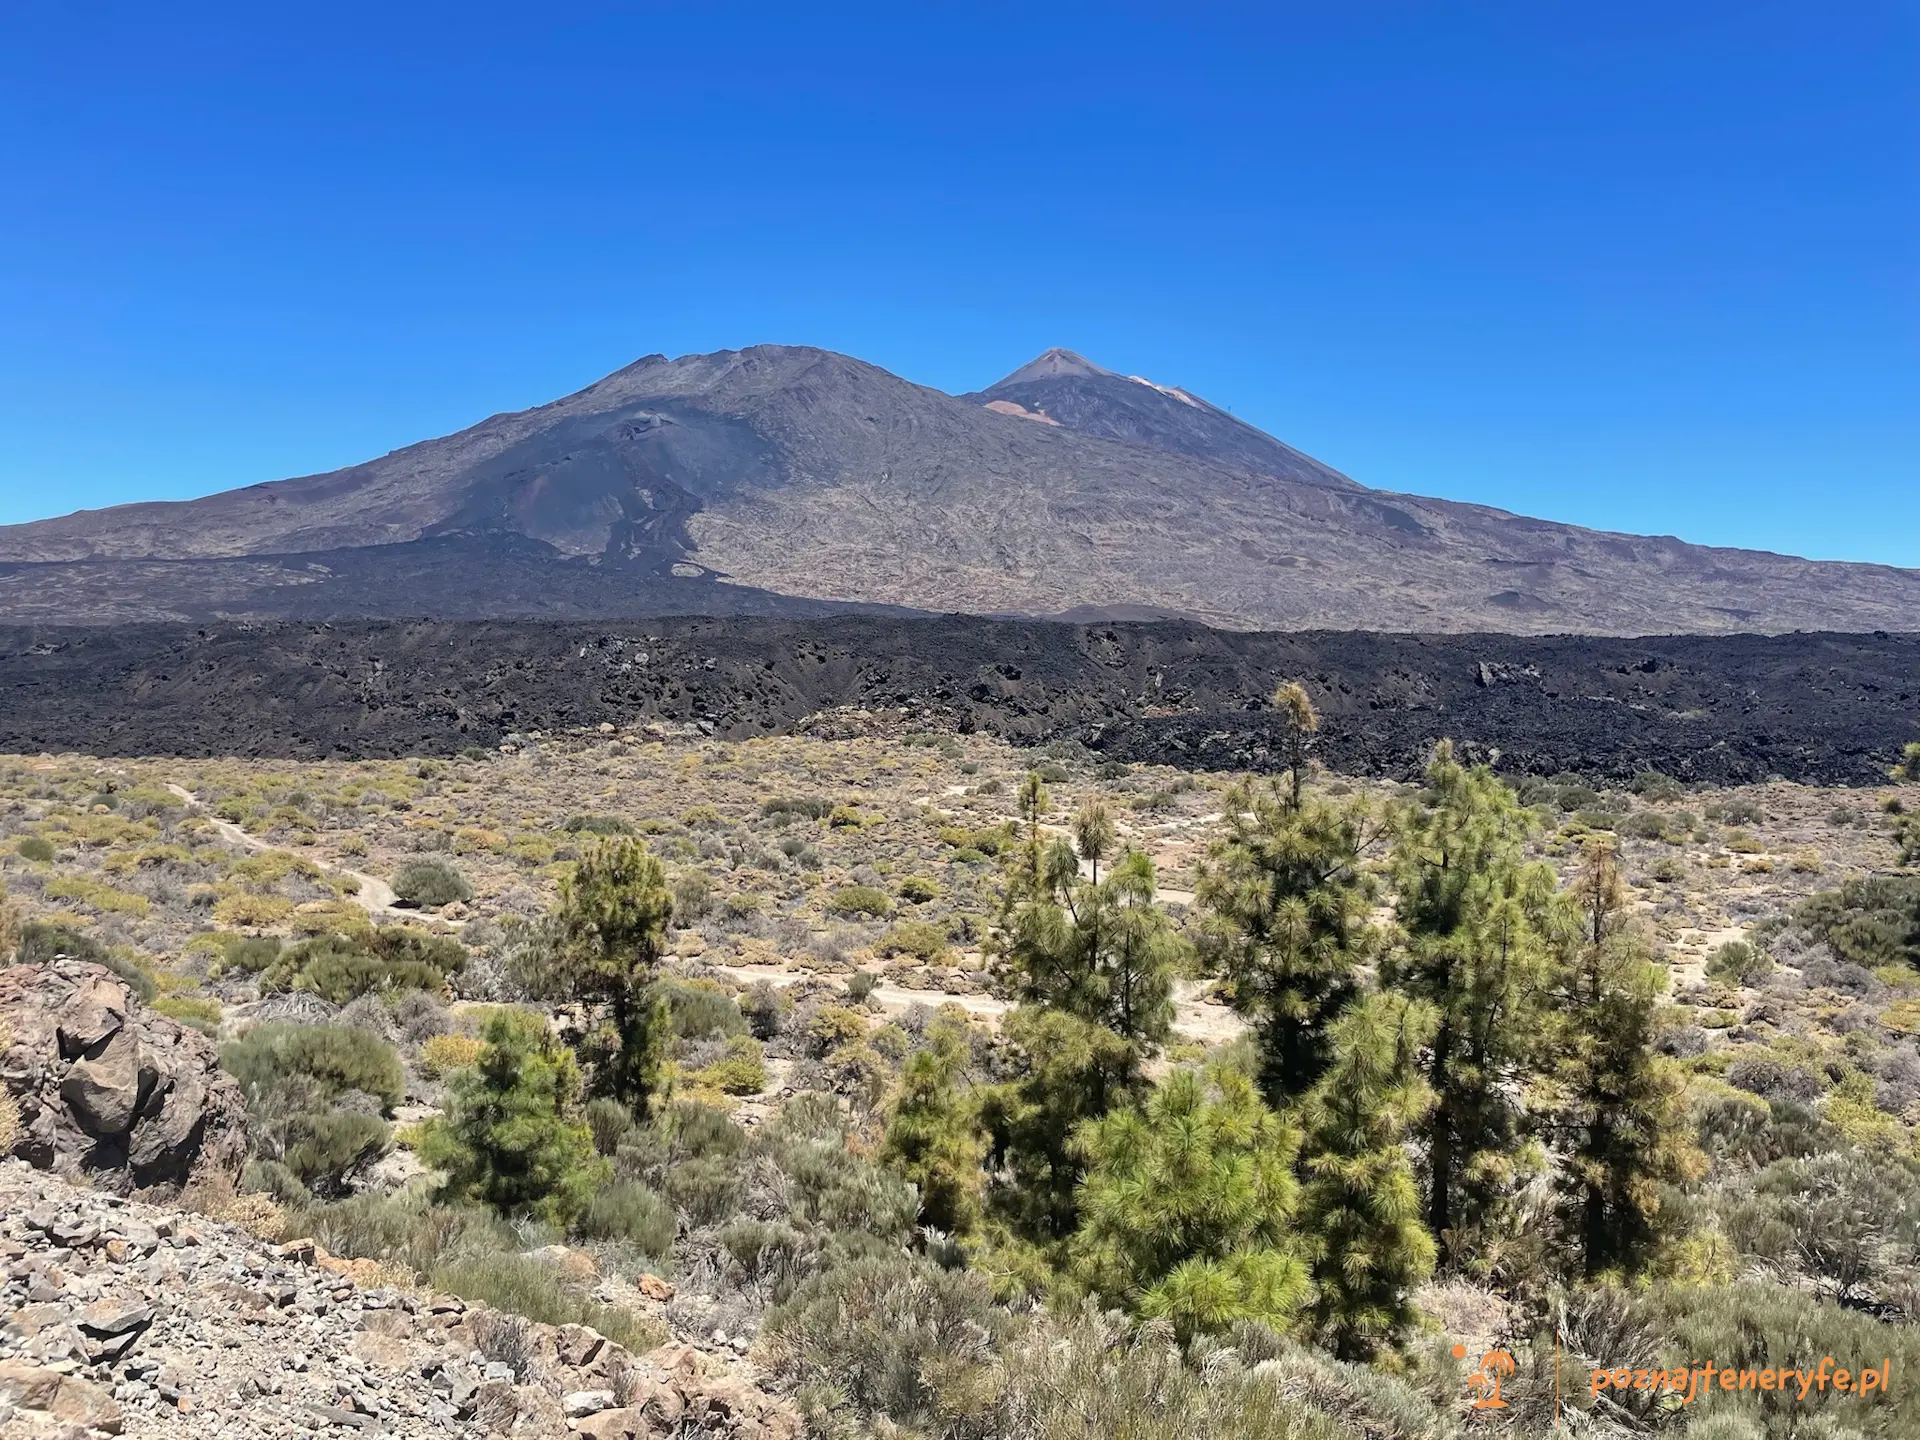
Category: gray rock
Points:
column 107, row 1087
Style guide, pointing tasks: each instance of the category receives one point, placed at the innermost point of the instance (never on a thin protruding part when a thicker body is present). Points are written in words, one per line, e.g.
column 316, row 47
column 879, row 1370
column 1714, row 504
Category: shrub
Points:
column 916, row 938
column 895, row 1336
column 832, row 1026
column 1739, row 963
column 513, row 1136
column 692, row 897
column 324, row 1148
column 917, row 890
column 765, row 1008
column 629, row 1212
column 699, row 1008
column 861, row 985
column 250, row 910
column 845, row 817
column 1652, row 785
column 813, row 807
column 596, row 825
column 443, row 1054
column 706, row 1187
column 741, row 1071
column 250, row 954
column 430, row 884
column 860, row 900
column 1874, row 920
column 609, row 1122
column 333, row 1058
column 36, row 848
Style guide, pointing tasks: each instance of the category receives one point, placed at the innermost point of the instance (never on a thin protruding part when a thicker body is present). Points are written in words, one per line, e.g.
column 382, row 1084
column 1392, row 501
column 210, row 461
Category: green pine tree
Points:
column 1619, row 1108
column 933, row 1135
column 1473, row 914
column 1287, row 907
column 1187, row 1207
column 514, row 1136
column 1102, row 950
column 1361, row 1207
column 612, row 926
column 1070, row 1072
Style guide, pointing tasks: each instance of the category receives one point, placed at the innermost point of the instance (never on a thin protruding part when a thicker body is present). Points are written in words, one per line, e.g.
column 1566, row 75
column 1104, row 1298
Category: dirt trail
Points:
column 1195, row 1018
column 374, row 896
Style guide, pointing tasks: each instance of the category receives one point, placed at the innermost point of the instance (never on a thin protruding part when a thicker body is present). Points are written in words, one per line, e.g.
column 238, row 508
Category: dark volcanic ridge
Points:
column 1817, row 708
column 791, row 481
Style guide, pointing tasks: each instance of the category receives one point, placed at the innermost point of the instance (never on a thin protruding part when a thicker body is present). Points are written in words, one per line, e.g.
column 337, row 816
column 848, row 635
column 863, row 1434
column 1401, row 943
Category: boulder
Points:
column 66, row 1398
column 111, row 1090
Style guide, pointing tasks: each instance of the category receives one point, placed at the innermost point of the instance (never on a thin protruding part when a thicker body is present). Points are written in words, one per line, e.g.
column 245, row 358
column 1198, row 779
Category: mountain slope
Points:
column 1066, row 389
column 809, row 474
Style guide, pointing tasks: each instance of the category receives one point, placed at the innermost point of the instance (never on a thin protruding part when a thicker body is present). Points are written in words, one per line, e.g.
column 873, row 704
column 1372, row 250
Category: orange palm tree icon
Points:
column 1495, row 1366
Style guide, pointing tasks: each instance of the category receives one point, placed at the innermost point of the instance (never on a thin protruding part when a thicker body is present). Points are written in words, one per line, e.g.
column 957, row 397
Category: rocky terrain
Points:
column 783, row 478
column 139, row 1320
column 1831, row 709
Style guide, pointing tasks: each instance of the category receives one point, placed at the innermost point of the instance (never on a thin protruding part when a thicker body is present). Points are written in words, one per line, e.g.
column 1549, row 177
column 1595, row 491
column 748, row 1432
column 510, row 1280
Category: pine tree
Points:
column 1361, row 1207
column 933, row 1136
column 1187, row 1207
column 1302, row 723
column 514, row 1136
column 1071, row 1072
column 1472, row 913
column 612, row 925
column 1095, row 834
column 1619, row 1113
column 1104, row 951
column 1287, row 907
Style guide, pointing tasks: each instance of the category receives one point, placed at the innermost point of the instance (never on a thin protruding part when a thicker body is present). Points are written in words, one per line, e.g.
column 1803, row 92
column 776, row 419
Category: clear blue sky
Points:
column 1646, row 266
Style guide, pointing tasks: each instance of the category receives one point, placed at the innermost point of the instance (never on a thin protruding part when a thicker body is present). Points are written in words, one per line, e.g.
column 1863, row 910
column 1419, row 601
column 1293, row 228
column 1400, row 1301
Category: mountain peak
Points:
column 1052, row 365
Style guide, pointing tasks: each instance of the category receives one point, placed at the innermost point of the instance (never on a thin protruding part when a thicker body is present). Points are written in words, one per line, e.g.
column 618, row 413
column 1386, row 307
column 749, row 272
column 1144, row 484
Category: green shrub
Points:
column 271, row 1178
column 1652, row 785
column 706, row 1187
column 741, row 1071
column 1752, row 1325
column 765, row 1008
column 861, row 985
column 893, row 1336
column 406, row 1229
column 333, row 1058
column 916, row 938
column 917, row 890
column 430, row 884
column 36, row 848
column 699, row 1008
column 629, row 1212
column 813, row 807
column 325, row 1148
column 250, row 954
column 609, row 1121
column 596, row 825
column 860, row 900
column 1872, row 921
column 1739, row 963
column 390, row 960
column 832, row 1026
